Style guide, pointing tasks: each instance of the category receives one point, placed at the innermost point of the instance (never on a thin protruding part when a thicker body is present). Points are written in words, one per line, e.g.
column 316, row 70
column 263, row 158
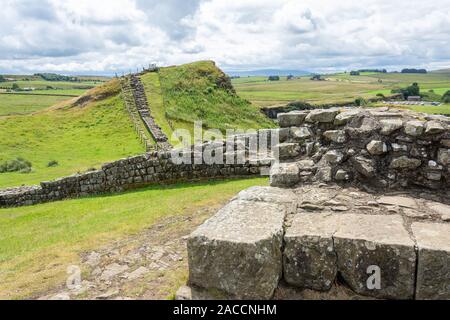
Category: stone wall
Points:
column 384, row 148
column 134, row 172
column 144, row 110
column 325, row 242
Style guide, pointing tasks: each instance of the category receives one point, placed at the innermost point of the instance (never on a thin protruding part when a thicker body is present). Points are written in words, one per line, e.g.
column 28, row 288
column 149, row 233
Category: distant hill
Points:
column 267, row 72
column 447, row 70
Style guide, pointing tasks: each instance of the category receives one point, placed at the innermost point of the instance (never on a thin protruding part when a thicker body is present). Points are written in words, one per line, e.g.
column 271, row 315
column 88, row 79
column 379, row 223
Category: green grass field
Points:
column 338, row 88
column 11, row 104
column 25, row 102
column 78, row 138
column 38, row 243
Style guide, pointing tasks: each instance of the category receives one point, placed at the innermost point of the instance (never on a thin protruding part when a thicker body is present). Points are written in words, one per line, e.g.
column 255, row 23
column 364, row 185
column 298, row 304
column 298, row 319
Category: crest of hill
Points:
column 104, row 91
column 201, row 91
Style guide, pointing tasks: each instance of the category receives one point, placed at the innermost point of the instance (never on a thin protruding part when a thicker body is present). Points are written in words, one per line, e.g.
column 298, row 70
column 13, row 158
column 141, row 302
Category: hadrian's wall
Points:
column 385, row 148
column 379, row 147
column 149, row 168
column 320, row 235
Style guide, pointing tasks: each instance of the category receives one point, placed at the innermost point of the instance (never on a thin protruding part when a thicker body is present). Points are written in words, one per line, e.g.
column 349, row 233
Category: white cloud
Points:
column 119, row 35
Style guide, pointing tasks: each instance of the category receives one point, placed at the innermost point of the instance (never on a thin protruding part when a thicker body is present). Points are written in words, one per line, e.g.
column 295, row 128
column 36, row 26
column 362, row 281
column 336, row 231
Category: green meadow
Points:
column 336, row 88
column 38, row 243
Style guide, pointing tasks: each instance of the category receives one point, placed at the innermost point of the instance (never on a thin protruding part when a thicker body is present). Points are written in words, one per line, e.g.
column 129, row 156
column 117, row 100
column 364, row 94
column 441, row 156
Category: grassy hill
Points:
column 96, row 128
column 180, row 95
column 77, row 137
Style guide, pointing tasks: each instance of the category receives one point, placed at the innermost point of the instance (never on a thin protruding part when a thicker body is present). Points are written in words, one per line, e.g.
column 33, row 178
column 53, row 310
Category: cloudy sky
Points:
column 89, row 36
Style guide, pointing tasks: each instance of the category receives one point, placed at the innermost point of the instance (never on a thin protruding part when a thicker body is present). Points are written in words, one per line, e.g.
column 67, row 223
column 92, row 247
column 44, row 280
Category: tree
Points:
column 412, row 90
column 15, row 87
column 446, row 97
column 274, row 78
column 354, row 73
column 414, row 71
column 2, row 79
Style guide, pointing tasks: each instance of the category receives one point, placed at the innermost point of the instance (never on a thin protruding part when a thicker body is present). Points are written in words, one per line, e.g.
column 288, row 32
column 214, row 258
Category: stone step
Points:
column 376, row 255
column 238, row 251
column 433, row 269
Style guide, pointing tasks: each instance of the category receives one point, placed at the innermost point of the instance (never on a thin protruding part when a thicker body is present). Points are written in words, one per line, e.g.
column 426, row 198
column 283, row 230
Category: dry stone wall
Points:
column 133, row 172
column 386, row 148
column 143, row 108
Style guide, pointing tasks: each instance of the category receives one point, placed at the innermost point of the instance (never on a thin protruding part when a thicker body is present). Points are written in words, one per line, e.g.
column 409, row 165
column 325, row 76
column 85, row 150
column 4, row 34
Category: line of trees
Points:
column 56, row 77
column 414, row 71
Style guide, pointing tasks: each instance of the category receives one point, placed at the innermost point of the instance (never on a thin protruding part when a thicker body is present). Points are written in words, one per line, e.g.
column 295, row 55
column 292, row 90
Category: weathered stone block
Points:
column 433, row 270
column 434, row 127
column 284, row 174
column 287, row 150
column 284, row 197
column 405, row 163
column 365, row 243
column 238, row 251
column 345, row 117
column 322, row 115
column 300, row 133
column 337, row 136
column 364, row 166
column 390, row 125
column 291, row 119
column 444, row 156
column 376, row 147
column 342, row 175
column 414, row 128
column 309, row 259
column 334, row 156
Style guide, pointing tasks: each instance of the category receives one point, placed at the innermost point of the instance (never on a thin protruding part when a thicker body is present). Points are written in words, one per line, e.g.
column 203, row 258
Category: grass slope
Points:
column 78, row 137
column 38, row 243
column 201, row 91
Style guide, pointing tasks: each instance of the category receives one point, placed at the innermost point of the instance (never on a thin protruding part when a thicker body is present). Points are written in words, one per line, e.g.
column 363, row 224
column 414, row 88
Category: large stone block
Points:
column 390, row 125
column 433, row 270
column 287, row 150
column 284, row 197
column 309, row 259
column 291, row 119
column 414, row 128
column 322, row 115
column 376, row 243
column 238, row 251
column 284, row 174
column 404, row 162
column 345, row 117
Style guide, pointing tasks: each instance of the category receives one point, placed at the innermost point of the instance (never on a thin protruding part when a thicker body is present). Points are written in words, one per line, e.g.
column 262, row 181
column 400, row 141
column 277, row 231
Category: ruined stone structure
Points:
column 378, row 147
column 359, row 199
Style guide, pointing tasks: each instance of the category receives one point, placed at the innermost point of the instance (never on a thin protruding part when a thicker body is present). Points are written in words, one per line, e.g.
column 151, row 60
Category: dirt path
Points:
column 149, row 265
